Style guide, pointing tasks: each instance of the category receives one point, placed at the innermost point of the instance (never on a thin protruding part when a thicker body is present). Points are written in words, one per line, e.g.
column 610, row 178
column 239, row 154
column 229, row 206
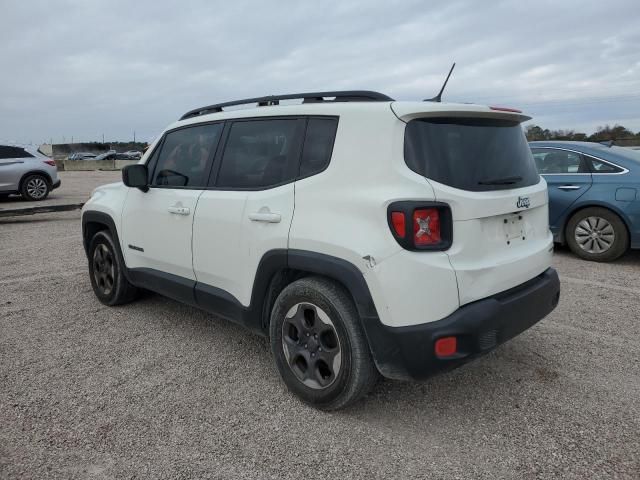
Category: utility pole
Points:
column 134, row 136
column 103, row 138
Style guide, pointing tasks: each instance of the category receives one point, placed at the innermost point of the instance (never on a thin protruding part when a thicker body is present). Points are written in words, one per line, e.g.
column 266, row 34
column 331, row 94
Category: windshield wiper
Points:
column 501, row 181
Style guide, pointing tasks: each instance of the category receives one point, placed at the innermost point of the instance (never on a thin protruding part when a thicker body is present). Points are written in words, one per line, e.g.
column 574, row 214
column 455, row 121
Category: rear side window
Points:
column 7, row 151
column 475, row 154
column 598, row 166
column 185, row 155
column 550, row 161
column 260, row 154
column 318, row 145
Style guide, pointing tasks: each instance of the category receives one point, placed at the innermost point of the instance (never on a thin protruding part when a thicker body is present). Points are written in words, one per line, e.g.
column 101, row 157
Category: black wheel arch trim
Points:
column 91, row 217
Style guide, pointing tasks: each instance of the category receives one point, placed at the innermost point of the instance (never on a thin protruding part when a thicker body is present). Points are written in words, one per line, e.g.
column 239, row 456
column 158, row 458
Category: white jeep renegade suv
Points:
column 362, row 235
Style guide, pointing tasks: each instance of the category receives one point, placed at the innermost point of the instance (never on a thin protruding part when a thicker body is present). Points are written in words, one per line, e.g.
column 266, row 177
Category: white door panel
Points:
column 217, row 239
column 156, row 229
column 232, row 230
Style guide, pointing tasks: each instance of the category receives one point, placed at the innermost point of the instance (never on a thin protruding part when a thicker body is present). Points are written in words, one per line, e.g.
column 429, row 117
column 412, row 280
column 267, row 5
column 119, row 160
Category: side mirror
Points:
column 136, row 176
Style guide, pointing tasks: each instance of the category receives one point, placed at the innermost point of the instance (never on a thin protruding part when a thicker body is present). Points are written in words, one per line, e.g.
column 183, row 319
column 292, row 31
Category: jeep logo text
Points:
column 523, row 202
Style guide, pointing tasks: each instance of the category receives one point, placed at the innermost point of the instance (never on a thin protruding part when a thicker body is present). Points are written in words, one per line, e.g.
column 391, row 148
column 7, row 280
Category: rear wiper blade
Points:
column 501, row 181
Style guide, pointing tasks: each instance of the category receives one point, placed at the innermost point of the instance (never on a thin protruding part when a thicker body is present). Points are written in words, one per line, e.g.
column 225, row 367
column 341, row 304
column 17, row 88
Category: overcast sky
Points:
column 86, row 68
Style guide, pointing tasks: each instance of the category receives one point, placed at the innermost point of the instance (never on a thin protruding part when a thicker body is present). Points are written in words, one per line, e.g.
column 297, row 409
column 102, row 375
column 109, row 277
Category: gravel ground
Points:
column 156, row 389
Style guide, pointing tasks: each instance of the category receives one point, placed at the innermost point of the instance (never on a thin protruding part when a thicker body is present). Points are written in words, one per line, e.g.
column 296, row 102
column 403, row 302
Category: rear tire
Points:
column 319, row 346
column 106, row 270
column 597, row 234
column 35, row 187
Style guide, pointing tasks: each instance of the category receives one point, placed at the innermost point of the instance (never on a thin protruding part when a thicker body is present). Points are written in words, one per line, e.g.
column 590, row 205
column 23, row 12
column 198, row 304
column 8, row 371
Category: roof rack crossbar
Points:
column 311, row 97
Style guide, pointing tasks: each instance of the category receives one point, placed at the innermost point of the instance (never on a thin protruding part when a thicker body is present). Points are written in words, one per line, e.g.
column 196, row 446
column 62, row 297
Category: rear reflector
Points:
column 426, row 226
column 446, row 346
column 50, row 162
column 397, row 220
column 506, row 109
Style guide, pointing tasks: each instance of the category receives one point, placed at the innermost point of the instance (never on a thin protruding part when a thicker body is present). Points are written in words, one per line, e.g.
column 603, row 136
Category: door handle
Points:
column 569, row 187
column 264, row 215
column 177, row 210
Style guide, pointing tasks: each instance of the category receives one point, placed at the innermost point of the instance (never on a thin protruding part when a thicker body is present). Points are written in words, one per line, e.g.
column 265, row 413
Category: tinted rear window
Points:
column 476, row 154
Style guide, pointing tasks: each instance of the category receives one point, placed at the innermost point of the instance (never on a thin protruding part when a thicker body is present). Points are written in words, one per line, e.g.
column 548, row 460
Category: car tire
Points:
column 35, row 187
column 319, row 346
column 597, row 234
column 106, row 270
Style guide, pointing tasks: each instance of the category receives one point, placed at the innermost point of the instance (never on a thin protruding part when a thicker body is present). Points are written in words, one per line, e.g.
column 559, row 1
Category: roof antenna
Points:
column 438, row 98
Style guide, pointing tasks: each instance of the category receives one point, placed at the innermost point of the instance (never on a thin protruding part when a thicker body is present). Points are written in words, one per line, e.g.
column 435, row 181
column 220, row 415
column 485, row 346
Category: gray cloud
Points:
column 84, row 68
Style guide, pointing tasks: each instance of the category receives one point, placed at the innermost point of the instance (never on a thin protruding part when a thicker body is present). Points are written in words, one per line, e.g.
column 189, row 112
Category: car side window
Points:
column 318, row 145
column 8, row 151
column 260, row 154
column 185, row 155
column 551, row 161
column 598, row 166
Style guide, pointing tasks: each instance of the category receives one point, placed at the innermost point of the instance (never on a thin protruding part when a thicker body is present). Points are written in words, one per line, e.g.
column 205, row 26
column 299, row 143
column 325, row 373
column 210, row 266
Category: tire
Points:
column 106, row 271
column 318, row 344
column 35, row 187
column 597, row 234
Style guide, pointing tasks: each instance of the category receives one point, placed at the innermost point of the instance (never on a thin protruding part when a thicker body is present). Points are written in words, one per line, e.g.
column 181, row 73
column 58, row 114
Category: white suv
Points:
column 362, row 235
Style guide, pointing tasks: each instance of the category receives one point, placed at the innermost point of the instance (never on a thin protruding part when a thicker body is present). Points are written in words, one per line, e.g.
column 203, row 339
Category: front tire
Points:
column 318, row 344
column 35, row 187
column 597, row 234
column 106, row 271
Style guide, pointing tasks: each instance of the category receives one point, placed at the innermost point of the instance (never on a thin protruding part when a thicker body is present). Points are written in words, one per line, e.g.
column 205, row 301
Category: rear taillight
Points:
column 426, row 226
column 50, row 161
column 421, row 225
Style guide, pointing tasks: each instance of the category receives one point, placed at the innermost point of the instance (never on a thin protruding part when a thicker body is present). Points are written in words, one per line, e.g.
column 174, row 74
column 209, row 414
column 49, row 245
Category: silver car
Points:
column 24, row 170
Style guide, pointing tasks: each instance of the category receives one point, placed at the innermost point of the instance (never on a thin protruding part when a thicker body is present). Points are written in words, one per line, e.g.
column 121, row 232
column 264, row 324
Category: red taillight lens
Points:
column 50, row 162
column 397, row 220
column 426, row 227
column 446, row 346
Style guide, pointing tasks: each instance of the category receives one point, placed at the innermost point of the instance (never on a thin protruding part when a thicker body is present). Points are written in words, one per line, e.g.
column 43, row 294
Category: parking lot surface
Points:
column 75, row 188
column 156, row 389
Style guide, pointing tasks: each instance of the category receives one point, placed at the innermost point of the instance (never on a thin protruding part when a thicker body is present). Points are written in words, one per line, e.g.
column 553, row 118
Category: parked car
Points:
column 133, row 154
column 81, row 156
column 594, row 196
column 24, row 170
column 364, row 236
column 113, row 156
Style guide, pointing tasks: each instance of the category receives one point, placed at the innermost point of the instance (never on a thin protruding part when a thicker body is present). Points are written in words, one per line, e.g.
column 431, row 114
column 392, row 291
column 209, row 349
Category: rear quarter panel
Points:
column 611, row 192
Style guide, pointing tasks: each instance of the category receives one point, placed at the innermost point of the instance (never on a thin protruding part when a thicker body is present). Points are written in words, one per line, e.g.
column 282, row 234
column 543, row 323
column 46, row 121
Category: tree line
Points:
column 618, row 134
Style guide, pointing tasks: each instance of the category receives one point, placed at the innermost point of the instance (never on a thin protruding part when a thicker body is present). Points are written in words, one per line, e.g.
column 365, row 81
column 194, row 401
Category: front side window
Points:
column 260, row 154
column 551, row 161
column 473, row 154
column 185, row 155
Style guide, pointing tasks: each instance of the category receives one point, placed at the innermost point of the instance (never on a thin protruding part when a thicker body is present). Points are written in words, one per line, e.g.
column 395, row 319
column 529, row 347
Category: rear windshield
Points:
column 476, row 154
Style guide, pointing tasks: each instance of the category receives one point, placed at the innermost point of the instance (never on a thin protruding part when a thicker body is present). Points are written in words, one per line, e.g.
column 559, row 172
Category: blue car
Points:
column 594, row 196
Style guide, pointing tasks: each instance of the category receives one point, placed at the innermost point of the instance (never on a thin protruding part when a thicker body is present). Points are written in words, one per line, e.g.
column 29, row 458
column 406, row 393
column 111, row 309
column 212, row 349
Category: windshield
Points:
column 475, row 154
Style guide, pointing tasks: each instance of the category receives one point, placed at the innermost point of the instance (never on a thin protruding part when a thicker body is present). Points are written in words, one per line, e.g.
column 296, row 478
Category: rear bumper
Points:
column 408, row 352
column 56, row 184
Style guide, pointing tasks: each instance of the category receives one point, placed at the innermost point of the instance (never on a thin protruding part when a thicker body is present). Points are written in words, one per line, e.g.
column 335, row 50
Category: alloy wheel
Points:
column 103, row 268
column 36, row 187
column 594, row 235
column 311, row 345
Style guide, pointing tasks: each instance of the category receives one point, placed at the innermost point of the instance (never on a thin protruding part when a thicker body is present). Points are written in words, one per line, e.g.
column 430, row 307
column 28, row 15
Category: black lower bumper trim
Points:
column 56, row 184
column 479, row 327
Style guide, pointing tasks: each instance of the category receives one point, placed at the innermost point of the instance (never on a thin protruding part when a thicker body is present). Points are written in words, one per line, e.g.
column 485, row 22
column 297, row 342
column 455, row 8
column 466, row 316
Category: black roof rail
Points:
column 310, row 97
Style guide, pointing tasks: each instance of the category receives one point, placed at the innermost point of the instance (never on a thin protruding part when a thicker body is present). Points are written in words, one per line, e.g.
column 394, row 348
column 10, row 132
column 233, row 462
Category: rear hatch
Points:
column 480, row 164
